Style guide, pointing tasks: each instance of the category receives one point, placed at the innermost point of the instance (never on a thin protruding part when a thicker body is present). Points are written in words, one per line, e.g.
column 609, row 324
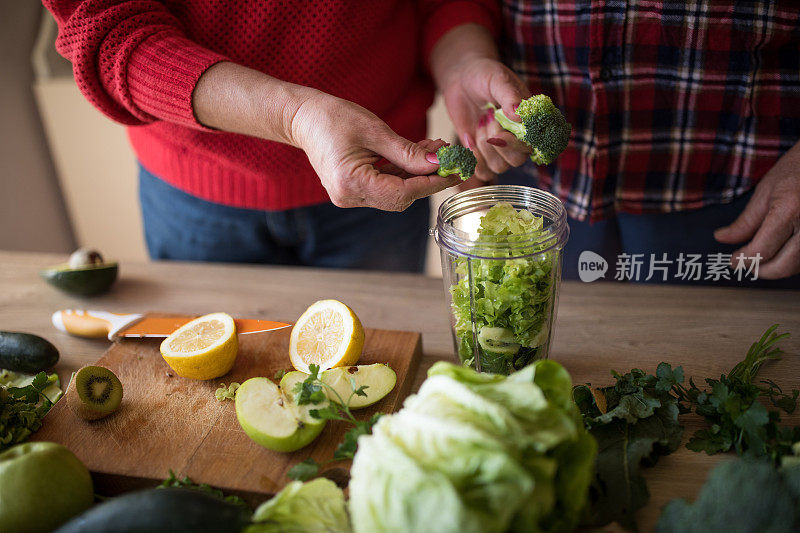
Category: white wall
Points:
column 32, row 214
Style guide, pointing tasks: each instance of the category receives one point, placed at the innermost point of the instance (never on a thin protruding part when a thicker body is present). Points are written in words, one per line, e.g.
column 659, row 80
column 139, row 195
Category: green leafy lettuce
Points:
column 476, row 453
column 227, row 392
column 317, row 506
column 505, row 304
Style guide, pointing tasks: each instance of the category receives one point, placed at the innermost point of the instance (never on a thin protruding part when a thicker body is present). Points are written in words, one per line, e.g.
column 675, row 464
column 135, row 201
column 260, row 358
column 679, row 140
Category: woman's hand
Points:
column 344, row 142
column 771, row 221
column 468, row 73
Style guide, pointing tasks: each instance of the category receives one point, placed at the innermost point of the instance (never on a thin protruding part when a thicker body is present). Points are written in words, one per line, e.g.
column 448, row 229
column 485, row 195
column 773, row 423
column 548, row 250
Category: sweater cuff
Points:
column 162, row 73
column 453, row 14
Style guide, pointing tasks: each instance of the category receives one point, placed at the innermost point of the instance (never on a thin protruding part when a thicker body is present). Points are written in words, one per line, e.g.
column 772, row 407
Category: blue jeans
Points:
column 182, row 227
column 686, row 232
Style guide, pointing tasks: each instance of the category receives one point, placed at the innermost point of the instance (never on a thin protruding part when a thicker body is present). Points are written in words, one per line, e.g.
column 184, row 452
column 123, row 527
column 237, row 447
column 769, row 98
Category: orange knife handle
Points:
column 92, row 324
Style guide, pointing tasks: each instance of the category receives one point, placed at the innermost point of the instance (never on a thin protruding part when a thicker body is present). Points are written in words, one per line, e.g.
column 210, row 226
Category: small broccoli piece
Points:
column 456, row 160
column 543, row 127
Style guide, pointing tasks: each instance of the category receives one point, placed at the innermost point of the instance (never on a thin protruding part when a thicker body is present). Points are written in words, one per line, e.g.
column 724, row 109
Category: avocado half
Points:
column 83, row 281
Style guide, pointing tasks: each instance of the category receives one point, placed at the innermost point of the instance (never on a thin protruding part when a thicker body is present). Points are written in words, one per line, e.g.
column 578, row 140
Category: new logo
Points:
column 591, row 266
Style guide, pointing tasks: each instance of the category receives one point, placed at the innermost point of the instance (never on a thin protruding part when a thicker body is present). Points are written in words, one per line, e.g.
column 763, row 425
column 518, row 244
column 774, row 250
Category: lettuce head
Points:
column 476, row 453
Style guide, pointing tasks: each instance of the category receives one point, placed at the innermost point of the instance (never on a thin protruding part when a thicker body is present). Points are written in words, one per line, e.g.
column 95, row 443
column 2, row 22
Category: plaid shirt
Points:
column 674, row 105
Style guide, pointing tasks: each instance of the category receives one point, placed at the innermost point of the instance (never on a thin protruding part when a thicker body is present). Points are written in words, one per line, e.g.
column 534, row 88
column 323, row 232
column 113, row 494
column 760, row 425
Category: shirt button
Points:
column 605, row 74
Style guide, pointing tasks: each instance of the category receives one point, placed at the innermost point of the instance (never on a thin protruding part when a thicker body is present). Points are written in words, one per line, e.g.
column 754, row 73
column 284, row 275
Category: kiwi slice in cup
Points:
column 94, row 392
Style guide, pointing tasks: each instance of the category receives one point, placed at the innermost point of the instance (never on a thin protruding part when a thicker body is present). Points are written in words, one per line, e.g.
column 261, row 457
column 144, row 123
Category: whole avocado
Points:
column 161, row 511
column 27, row 353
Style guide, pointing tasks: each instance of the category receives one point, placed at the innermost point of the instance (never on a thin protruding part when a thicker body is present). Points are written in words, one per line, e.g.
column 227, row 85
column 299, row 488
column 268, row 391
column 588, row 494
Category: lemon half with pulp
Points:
column 328, row 334
column 204, row 348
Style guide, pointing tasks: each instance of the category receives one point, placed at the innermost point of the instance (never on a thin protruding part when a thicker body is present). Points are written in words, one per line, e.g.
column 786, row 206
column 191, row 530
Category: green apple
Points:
column 273, row 419
column 42, row 485
column 378, row 378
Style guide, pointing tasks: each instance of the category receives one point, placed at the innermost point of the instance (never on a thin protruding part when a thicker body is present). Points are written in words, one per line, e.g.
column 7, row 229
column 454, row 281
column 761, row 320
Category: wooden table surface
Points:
column 600, row 326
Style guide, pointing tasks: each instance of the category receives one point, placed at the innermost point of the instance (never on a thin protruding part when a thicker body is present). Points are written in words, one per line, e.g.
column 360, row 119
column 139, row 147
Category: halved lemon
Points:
column 327, row 334
column 205, row 348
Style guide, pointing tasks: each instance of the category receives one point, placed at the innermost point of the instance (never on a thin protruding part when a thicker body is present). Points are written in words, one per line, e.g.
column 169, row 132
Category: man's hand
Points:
column 344, row 142
column 771, row 221
column 467, row 71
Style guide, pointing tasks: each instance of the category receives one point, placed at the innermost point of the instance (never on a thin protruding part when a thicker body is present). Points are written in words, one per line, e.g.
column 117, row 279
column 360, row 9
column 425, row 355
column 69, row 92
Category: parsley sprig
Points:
column 313, row 391
column 22, row 409
column 636, row 420
column 737, row 419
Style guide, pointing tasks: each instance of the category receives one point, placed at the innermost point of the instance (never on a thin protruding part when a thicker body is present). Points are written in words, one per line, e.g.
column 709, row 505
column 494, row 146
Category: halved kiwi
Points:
column 498, row 340
column 94, row 392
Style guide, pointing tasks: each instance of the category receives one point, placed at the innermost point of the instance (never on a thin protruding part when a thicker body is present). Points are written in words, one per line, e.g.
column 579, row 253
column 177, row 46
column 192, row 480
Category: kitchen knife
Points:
column 99, row 324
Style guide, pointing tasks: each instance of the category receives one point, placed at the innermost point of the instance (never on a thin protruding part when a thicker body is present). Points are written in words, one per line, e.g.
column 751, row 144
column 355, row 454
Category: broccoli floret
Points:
column 456, row 160
column 543, row 127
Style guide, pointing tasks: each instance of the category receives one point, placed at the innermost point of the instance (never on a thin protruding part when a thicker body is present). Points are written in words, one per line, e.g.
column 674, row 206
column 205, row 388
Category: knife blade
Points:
column 98, row 324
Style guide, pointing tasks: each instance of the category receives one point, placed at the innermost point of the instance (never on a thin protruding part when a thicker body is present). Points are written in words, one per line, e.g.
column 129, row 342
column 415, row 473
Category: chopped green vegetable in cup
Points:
column 513, row 290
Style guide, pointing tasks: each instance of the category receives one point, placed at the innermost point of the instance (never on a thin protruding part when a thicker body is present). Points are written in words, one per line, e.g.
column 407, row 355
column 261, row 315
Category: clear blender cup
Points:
column 502, row 284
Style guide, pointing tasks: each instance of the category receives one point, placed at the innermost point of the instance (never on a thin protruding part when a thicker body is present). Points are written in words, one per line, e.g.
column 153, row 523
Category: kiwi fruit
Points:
column 94, row 392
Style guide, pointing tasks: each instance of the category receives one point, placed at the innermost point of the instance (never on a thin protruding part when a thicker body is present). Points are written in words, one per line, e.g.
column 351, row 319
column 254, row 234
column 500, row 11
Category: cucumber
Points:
column 83, row 281
column 498, row 340
column 161, row 511
column 27, row 353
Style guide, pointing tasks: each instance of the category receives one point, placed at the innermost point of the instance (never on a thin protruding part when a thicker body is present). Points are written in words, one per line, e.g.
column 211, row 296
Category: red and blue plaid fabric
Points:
column 674, row 105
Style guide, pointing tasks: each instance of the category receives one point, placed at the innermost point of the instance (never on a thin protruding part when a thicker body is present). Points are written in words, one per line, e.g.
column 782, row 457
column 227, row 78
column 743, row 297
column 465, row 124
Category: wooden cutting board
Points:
column 168, row 422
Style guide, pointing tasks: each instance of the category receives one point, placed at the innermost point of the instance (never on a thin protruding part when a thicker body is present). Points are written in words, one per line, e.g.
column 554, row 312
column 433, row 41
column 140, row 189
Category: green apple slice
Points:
column 273, row 419
column 379, row 379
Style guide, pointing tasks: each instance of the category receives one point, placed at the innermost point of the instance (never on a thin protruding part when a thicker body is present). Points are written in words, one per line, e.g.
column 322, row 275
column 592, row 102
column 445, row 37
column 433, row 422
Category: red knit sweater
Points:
column 138, row 62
